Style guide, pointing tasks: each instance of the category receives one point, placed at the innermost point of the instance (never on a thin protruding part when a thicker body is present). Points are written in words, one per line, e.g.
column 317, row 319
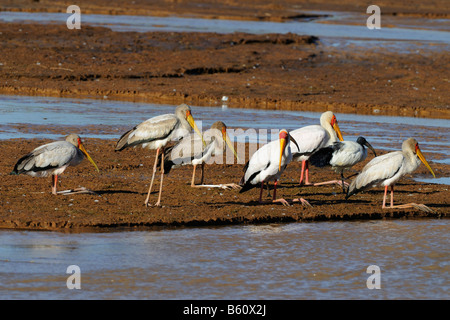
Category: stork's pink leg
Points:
column 304, row 173
column 392, row 195
column 193, row 176
column 153, row 177
column 418, row 206
column 54, row 182
column 307, row 173
column 384, row 198
column 274, row 200
column 162, row 177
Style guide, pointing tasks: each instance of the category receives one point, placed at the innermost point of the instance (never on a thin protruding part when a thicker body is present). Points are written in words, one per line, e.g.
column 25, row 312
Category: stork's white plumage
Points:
column 313, row 138
column 156, row 133
column 341, row 156
column 267, row 164
column 52, row 159
column 191, row 151
column 387, row 169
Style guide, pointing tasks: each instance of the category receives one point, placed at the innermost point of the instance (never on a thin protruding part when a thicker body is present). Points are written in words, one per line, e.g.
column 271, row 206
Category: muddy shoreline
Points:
column 273, row 71
column 121, row 186
column 244, row 10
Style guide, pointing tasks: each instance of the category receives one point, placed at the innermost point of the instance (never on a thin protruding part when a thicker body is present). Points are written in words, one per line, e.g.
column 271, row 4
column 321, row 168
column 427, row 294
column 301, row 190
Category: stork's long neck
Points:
column 327, row 126
column 184, row 124
column 412, row 162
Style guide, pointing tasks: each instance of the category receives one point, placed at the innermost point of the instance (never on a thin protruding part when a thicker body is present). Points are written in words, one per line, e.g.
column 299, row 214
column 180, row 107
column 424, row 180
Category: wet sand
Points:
column 123, row 181
column 229, row 9
column 288, row 72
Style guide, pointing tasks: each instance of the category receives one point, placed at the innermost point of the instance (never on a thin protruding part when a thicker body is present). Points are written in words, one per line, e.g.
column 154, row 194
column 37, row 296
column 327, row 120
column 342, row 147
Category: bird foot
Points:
column 147, row 204
column 417, row 206
column 303, row 202
column 227, row 186
column 285, row 202
column 338, row 182
column 77, row 191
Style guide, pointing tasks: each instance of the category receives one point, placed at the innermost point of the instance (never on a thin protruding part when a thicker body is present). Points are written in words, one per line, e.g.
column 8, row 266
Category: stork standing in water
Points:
column 156, row 133
column 267, row 164
column 313, row 138
column 341, row 156
column 53, row 159
column 387, row 169
column 190, row 150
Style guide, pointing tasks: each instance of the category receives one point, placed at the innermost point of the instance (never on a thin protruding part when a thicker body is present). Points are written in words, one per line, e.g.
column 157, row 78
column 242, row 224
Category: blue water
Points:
column 178, row 24
column 23, row 117
column 324, row 260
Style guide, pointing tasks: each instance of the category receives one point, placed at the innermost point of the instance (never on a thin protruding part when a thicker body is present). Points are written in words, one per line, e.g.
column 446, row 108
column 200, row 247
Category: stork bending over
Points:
column 267, row 164
column 387, row 169
column 53, row 159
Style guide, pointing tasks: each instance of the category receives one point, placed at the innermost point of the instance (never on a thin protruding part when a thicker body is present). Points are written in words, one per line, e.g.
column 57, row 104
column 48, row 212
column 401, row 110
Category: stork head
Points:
column 76, row 141
column 219, row 125
column 362, row 141
column 411, row 145
column 184, row 111
column 328, row 118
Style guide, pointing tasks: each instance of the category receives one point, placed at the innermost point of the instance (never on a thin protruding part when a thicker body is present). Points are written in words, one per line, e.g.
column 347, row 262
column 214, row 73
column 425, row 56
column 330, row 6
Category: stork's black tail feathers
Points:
column 246, row 185
column 322, row 157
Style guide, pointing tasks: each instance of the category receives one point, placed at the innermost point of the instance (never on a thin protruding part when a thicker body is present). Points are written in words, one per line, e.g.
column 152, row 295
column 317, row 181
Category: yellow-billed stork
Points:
column 267, row 164
column 53, row 159
column 387, row 169
column 312, row 138
column 156, row 133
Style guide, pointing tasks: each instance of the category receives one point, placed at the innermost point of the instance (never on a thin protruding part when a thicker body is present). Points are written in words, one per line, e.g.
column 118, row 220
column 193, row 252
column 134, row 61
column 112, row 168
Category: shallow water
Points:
column 350, row 30
column 323, row 260
column 31, row 117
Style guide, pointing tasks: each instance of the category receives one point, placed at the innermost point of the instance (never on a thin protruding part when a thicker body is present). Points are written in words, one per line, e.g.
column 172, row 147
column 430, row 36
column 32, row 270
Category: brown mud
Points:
column 123, row 181
column 267, row 10
column 273, row 71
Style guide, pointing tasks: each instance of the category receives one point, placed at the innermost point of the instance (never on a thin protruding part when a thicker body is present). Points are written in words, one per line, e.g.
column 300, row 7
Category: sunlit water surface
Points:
column 324, row 260
column 52, row 118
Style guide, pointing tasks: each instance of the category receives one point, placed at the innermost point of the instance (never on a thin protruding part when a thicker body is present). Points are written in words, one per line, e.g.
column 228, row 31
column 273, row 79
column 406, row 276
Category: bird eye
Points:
column 333, row 120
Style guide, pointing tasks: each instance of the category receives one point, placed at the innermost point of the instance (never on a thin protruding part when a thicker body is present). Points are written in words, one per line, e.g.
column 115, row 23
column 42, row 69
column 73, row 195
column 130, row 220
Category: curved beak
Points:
column 81, row 147
column 229, row 144
column 422, row 158
column 191, row 121
column 368, row 145
column 338, row 131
